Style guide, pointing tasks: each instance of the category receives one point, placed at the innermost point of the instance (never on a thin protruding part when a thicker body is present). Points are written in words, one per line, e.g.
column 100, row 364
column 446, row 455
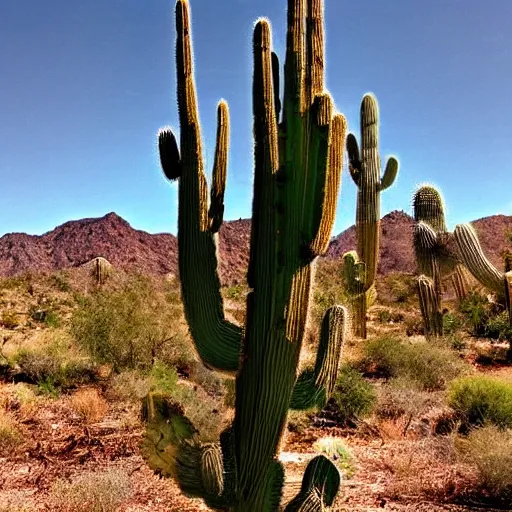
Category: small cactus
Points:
column 365, row 170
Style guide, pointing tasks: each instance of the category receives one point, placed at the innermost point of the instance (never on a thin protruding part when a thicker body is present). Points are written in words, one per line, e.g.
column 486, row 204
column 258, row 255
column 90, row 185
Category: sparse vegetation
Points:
column 10, row 434
column 490, row 450
column 429, row 365
column 101, row 491
column 130, row 327
column 336, row 449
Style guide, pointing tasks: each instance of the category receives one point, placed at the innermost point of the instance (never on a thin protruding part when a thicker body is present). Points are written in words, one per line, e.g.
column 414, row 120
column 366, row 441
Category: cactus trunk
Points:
column 298, row 165
column 365, row 169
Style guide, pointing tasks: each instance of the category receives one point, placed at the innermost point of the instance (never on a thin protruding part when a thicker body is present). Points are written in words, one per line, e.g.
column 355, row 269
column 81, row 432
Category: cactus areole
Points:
column 298, row 154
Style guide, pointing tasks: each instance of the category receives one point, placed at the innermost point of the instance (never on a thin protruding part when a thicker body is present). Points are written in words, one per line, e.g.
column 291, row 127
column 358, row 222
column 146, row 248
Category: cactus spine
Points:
column 298, row 163
column 365, row 170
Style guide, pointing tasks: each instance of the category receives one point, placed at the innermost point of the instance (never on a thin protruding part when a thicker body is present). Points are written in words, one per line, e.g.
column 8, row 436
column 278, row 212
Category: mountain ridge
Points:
column 75, row 242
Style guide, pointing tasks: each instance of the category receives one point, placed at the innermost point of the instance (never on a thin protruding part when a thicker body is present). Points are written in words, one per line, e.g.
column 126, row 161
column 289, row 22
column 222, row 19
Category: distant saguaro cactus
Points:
column 433, row 255
column 298, row 163
column 365, row 170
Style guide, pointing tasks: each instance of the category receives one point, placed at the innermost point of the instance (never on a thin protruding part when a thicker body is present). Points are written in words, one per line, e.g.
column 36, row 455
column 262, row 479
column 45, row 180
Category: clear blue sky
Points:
column 84, row 87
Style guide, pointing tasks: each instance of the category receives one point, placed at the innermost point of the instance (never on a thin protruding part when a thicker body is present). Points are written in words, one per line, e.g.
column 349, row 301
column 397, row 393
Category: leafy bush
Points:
column 481, row 400
column 353, row 396
column 490, row 450
column 131, row 327
column 92, row 492
column 451, row 323
column 429, row 365
column 485, row 318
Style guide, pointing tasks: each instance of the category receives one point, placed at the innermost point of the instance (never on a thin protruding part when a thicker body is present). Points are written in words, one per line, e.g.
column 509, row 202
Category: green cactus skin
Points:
column 365, row 170
column 475, row 260
column 298, row 163
column 320, row 485
column 507, row 278
column 428, row 206
column 460, row 282
column 101, row 270
column 434, row 256
column 430, row 307
column 314, row 386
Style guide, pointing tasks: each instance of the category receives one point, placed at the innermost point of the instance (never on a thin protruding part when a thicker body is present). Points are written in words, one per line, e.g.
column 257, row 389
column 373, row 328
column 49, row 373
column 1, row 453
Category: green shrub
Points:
column 428, row 364
column 490, row 450
column 482, row 400
column 131, row 327
column 336, row 450
column 163, row 378
column 451, row 323
column 353, row 396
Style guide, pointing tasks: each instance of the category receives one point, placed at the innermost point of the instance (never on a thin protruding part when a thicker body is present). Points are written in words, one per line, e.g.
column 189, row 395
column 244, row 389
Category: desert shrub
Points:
column 130, row 385
column 486, row 319
column 10, row 435
column 498, row 327
column 397, row 287
column 163, row 378
column 10, row 319
column 60, row 282
column 451, row 323
column 490, row 450
column 429, row 365
column 480, row 400
column 298, row 421
column 401, row 397
column 353, row 397
column 89, row 405
column 131, row 327
column 336, row 450
column 386, row 316
column 92, row 491
column 53, row 366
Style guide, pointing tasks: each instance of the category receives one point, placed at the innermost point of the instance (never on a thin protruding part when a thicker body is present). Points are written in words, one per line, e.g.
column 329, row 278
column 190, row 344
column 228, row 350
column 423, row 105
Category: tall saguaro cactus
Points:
column 365, row 169
column 298, row 161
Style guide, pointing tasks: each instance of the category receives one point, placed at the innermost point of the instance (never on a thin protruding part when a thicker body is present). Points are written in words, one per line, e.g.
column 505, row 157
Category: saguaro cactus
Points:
column 298, row 163
column 434, row 255
column 365, row 169
column 481, row 268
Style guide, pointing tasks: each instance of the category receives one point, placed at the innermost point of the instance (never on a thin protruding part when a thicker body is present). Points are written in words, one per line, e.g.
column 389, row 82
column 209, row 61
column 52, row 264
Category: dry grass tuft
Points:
column 490, row 450
column 89, row 405
column 92, row 492
column 10, row 435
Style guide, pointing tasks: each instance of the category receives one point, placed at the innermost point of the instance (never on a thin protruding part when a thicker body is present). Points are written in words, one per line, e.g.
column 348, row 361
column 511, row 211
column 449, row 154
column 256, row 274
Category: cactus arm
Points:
column 169, row 154
column 275, row 78
column 217, row 340
column 424, row 240
column 507, row 278
column 354, row 159
column 313, row 388
column 216, row 212
column 390, row 174
column 320, row 485
column 430, row 307
column 329, row 186
column 475, row 260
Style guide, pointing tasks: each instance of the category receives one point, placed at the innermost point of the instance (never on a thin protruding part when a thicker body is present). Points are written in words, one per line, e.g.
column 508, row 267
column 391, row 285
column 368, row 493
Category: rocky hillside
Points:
column 76, row 242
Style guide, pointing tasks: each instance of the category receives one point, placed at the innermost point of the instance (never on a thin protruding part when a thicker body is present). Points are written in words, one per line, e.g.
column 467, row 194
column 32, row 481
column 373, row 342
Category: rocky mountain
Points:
column 76, row 242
